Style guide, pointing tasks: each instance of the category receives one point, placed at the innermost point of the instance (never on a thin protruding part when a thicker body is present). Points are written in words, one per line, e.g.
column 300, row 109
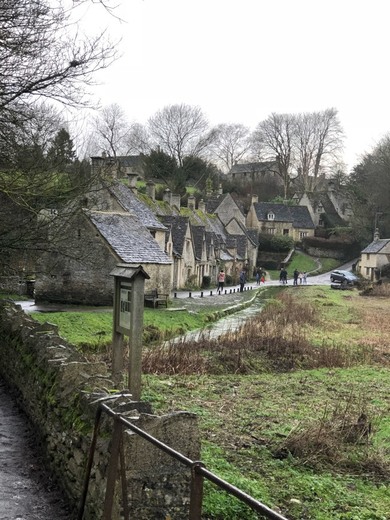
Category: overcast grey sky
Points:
column 241, row 60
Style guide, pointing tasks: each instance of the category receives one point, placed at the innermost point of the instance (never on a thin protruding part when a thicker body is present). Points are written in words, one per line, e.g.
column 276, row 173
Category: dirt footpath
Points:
column 26, row 490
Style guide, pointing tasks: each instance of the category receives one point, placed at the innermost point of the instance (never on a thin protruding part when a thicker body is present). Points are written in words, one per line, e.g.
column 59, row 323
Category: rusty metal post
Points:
column 125, row 502
column 196, row 497
column 112, row 470
column 89, row 464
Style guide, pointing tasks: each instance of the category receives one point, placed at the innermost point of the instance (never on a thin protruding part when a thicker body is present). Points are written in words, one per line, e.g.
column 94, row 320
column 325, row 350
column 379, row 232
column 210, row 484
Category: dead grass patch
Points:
column 275, row 340
column 341, row 438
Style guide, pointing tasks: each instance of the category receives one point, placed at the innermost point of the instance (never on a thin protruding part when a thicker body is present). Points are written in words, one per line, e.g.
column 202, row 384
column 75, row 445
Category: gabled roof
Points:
column 134, row 205
column 318, row 199
column 178, row 226
column 377, row 245
column 214, row 201
column 253, row 167
column 128, row 238
column 241, row 241
column 198, row 233
column 299, row 216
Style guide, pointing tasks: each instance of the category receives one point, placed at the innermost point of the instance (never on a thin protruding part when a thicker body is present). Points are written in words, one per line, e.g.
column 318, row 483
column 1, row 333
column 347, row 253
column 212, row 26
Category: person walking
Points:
column 304, row 278
column 221, row 280
column 283, row 276
column 257, row 277
column 242, row 280
column 295, row 276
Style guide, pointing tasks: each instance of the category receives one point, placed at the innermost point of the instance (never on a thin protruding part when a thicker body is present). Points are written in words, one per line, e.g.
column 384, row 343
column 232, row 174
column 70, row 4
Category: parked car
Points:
column 345, row 277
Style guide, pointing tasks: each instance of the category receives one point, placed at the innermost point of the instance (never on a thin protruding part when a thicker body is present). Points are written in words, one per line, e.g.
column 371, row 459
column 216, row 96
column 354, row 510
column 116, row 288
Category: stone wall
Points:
column 59, row 391
column 325, row 253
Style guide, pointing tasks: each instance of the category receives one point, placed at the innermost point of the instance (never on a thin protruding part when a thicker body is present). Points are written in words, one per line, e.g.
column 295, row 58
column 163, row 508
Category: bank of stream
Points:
column 232, row 315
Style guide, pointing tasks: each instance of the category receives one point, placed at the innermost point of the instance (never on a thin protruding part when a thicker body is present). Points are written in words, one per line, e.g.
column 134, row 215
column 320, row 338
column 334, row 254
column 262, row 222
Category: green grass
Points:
column 303, row 263
column 95, row 328
column 246, row 418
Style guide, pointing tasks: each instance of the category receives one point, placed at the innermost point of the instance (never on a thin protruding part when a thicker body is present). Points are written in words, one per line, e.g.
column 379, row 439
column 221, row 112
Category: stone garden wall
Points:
column 59, row 391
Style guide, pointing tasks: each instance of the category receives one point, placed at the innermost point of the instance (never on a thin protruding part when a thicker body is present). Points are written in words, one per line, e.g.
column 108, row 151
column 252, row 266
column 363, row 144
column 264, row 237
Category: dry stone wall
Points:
column 59, row 391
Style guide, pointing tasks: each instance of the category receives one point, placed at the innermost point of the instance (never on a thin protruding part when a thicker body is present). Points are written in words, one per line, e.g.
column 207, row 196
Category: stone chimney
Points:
column 176, row 200
column 202, row 206
column 167, row 196
column 151, row 190
column 220, row 190
column 255, row 198
column 191, row 202
column 376, row 235
column 132, row 178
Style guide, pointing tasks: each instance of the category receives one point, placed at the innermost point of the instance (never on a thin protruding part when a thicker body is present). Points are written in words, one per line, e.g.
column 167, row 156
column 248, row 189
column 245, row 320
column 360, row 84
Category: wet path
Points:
column 26, row 490
column 229, row 323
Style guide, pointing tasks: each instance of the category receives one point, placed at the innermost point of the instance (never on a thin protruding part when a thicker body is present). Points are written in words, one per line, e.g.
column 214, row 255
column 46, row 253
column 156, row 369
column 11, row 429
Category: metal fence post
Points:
column 112, row 470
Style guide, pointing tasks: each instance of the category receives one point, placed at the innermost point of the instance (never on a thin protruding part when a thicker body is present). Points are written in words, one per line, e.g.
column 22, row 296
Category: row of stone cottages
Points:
column 176, row 246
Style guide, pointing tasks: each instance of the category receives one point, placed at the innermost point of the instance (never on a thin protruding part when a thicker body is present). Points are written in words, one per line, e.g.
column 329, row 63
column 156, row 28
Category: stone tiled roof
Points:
column 214, row 201
column 253, row 167
column 134, row 205
column 241, row 241
column 299, row 216
column 377, row 245
column 178, row 226
column 198, row 234
column 321, row 198
column 253, row 234
column 128, row 238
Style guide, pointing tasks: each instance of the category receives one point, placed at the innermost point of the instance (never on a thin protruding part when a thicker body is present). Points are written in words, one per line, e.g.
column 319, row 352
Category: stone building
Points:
column 78, row 271
column 280, row 219
column 374, row 257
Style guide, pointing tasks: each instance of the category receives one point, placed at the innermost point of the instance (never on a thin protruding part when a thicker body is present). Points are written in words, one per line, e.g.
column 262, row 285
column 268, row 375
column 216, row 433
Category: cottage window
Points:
column 302, row 234
column 286, row 231
column 271, row 216
column 271, row 231
column 368, row 256
column 321, row 222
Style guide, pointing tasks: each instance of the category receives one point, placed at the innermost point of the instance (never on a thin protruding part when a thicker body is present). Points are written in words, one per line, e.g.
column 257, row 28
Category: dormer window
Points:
column 271, row 216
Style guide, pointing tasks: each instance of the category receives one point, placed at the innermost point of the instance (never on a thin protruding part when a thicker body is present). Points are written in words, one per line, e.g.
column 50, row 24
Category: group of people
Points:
column 242, row 279
column 299, row 277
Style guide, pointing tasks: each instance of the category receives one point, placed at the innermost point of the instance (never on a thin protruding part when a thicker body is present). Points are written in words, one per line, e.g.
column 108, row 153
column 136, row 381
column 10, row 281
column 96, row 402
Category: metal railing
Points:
column 198, row 473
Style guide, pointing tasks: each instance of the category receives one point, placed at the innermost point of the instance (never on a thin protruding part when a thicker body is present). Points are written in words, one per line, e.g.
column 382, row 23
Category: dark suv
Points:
column 345, row 277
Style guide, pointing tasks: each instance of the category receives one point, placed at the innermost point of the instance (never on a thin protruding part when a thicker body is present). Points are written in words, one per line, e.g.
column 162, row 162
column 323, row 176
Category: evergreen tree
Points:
column 61, row 153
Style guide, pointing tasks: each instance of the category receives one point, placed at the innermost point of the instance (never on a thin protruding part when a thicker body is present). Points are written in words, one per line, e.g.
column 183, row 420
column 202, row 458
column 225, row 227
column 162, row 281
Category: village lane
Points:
column 27, row 492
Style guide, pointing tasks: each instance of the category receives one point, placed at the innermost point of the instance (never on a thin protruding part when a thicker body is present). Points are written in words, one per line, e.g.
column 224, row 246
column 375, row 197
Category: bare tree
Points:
column 41, row 56
column 138, row 140
column 180, row 130
column 275, row 137
column 230, row 144
column 112, row 130
column 319, row 143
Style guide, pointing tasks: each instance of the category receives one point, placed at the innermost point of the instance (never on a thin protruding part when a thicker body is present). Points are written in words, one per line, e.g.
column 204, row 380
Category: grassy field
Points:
column 293, row 408
column 308, row 264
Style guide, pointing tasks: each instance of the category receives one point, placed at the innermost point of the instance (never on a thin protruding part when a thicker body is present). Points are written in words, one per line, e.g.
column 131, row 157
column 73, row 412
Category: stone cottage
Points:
column 374, row 257
column 78, row 270
column 280, row 219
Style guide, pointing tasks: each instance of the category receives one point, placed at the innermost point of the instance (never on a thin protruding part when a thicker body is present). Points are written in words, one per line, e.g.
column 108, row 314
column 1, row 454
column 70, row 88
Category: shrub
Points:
column 275, row 243
column 206, row 282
